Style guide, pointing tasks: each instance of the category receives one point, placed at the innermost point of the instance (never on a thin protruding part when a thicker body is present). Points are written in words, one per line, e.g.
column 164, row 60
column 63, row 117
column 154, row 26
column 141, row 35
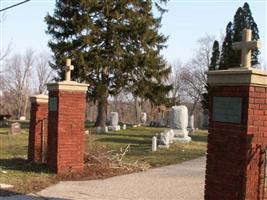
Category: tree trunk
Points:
column 25, row 106
column 193, row 108
column 136, row 110
column 101, row 112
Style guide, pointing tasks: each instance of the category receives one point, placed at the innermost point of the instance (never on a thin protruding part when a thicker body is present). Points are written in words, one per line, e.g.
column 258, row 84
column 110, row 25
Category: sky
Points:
column 185, row 22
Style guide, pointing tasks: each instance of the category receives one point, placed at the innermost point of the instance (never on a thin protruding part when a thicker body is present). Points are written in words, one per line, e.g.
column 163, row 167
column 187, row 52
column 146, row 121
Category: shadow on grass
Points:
column 123, row 140
column 199, row 138
column 23, row 165
column 125, row 135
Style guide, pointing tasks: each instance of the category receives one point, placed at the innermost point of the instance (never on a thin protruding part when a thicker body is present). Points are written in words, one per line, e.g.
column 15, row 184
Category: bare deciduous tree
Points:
column 193, row 74
column 176, row 94
column 17, row 73
column 43, row 71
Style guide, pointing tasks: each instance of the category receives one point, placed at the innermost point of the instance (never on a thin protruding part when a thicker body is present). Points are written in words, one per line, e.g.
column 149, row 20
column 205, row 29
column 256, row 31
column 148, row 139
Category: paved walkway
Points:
column 176, row 182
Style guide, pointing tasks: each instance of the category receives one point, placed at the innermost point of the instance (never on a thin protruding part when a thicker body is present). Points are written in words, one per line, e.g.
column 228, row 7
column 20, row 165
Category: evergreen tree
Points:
column 214, row 63
column 215, row 58
column 242, row 19
column 113, row 45
column 249, row 23
column 226, row 60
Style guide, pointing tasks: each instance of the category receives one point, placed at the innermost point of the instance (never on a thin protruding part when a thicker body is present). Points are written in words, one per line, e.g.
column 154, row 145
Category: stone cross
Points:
column 246, row 45
column 68, row 68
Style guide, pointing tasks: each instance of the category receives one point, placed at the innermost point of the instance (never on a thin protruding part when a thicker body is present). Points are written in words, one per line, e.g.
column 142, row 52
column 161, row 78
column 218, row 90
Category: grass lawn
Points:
column 26, row 177
column 140, row 146
column 15, row 170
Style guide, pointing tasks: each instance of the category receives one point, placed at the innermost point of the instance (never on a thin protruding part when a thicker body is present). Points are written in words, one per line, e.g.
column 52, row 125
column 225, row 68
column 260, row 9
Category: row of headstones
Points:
column 178, row 132
column 165, row 121
column 113, row 123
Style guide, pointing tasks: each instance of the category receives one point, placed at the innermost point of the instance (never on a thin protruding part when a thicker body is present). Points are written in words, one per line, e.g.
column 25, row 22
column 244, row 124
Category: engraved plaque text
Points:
column 227, row 109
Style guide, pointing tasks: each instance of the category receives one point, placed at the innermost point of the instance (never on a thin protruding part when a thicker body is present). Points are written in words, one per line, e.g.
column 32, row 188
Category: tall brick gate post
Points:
column 38, row 128
column 237, row 130
column 66, row 118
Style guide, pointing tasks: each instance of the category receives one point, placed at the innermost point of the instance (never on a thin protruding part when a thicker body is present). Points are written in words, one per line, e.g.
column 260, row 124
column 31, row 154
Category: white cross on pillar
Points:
column 68, row 68
column 246, row 45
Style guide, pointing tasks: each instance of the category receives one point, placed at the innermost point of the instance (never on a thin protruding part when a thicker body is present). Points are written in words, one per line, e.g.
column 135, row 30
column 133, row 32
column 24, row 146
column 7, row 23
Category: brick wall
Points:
column 39, row 114
column 66, row 132
column 234, row 161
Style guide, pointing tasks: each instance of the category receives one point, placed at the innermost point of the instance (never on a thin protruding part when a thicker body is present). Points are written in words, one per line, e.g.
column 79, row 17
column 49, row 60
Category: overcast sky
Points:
column 185, row 23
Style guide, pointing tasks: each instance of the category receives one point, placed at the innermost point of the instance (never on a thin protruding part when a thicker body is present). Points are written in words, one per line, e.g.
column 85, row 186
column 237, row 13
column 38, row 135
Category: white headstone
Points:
column 22, row 118
column 154, row 143
column 114, row 128
column 143, row 117
column 164, row 140
column 171, row 135
column 179, row 123
column 124, row 127
column 114, row 119
column 102, row 129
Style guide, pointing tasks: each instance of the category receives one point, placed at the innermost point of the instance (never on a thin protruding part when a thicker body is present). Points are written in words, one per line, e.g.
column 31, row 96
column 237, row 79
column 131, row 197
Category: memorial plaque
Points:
column 227, row 109
column 53, row 104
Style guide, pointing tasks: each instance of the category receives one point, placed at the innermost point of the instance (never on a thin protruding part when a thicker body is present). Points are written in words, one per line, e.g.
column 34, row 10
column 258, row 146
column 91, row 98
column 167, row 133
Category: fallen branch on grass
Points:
column 102, row 158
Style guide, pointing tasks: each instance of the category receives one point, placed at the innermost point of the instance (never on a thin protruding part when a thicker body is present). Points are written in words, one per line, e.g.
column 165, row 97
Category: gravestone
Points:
column 179, row 123
column 154, row 143
column 22, row 118
column 15, row 128
column 164, row 140
column 124, row 126
column 171, row 134
column 102, row 129
column 143, row 117
column 237, row 129
column 191, row 126
column 114, row 121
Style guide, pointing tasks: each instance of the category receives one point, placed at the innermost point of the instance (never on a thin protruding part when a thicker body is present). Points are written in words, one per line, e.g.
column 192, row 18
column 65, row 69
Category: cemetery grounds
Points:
column 106, row 155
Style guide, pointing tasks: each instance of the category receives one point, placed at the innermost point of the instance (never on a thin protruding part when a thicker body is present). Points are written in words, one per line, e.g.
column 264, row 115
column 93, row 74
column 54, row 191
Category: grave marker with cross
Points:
column 68, row 68
column 246, row 45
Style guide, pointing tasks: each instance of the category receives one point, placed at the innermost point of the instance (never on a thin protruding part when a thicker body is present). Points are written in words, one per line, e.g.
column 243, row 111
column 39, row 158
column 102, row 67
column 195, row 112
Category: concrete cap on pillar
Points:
column 39, row 98
column 67, row 86
column 238, row 76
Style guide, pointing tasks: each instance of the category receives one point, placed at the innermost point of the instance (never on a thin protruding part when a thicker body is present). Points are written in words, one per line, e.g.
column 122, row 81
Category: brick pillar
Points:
column 38, row 124
column 237, row 134
column 66, row 118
